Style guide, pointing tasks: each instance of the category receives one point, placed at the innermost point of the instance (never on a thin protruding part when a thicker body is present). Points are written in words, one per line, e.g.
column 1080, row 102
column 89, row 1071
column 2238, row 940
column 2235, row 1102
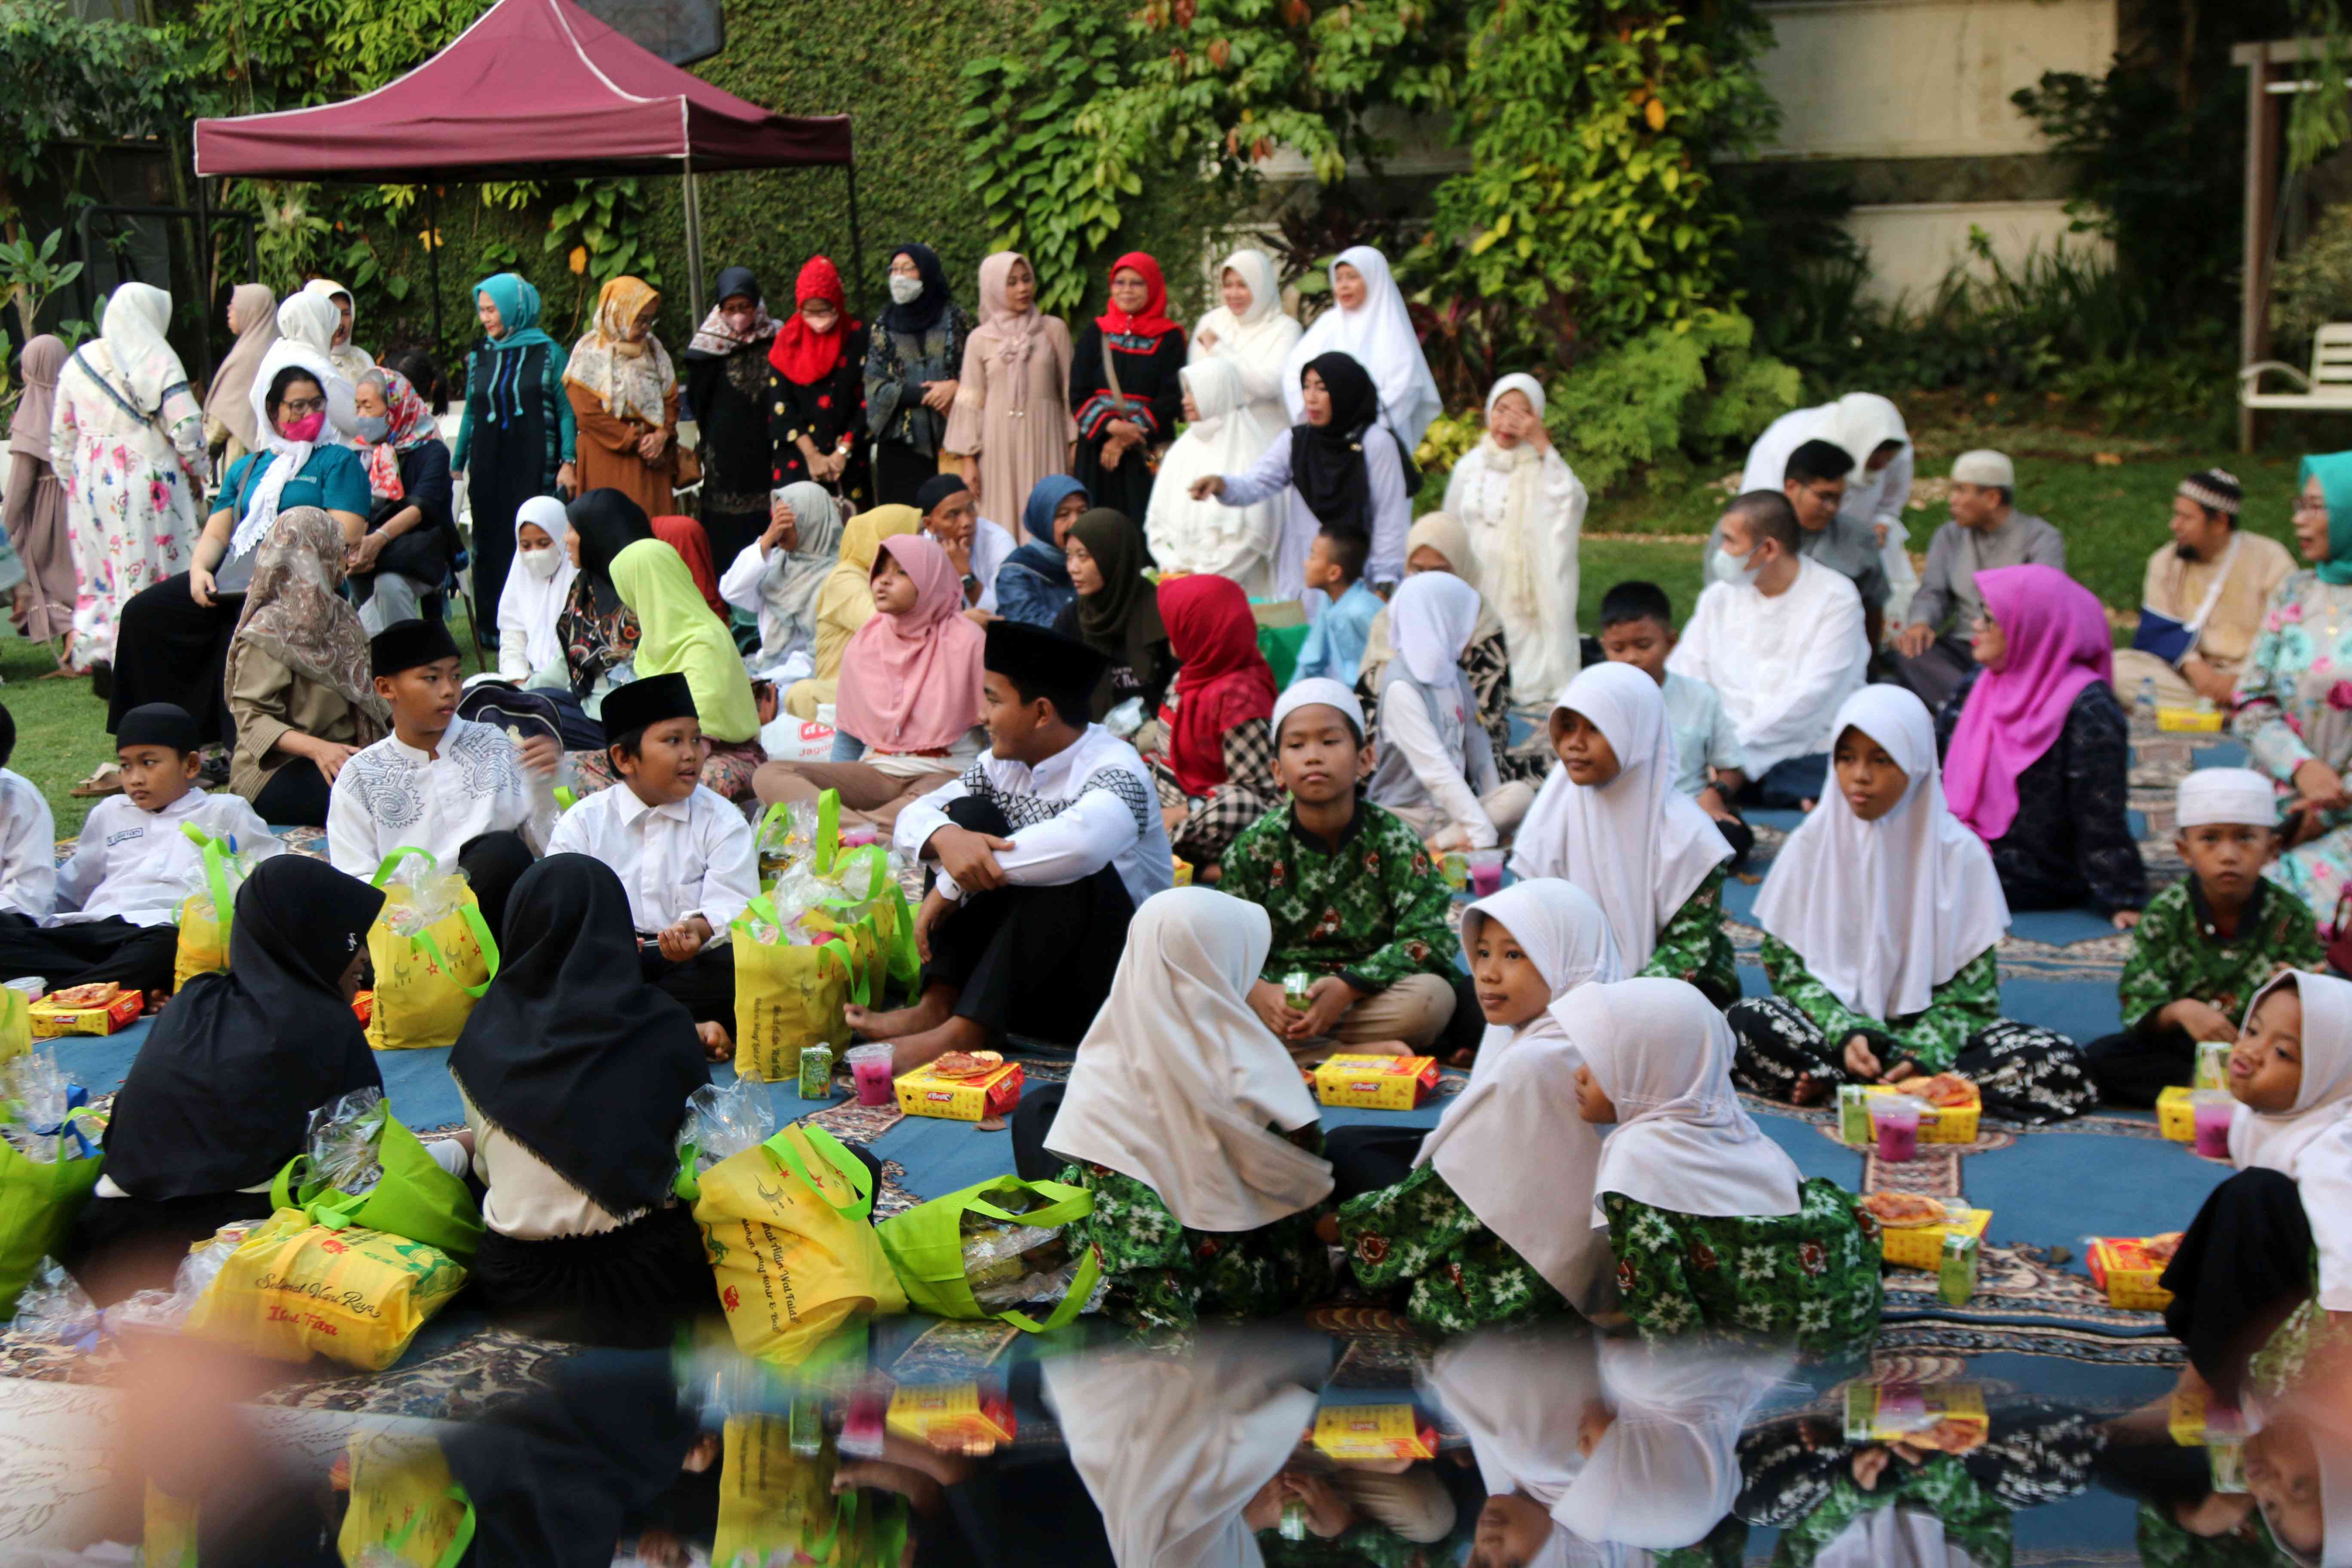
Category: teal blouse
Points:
column 333, row 478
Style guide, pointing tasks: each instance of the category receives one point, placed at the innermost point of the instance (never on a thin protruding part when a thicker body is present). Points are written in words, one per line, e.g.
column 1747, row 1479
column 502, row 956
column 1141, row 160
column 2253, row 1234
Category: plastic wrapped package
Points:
column 419, row 895
column 346, row 1138
column 1014, row 1266
column 36, row 1097
column 724, row 1122
column 162, row 1312
column 787, row 836
column 54, row 1309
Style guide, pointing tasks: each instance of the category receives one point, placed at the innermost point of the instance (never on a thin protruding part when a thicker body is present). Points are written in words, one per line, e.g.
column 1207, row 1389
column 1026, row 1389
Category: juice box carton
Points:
column 1949, row 1417
column 993, row 1093
column 1922, row 1246
column 1376, row 1083
column 50, row 1019
column 1351, row 1432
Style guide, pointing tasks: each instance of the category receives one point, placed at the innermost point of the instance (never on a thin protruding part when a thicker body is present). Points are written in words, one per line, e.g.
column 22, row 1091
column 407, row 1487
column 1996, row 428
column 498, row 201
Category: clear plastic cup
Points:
column 2213, row 1109
column 1486, row 873
column 1895, row 1119
column 34, row 987
column 870, row 1066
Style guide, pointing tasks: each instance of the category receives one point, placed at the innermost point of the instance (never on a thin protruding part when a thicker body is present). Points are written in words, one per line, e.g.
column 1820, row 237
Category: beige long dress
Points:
column 1011, row 405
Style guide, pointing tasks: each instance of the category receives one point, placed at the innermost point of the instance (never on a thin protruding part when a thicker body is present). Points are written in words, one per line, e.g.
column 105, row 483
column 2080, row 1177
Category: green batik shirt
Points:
column 1931, row 1038
column 1974, row 1520
column 1694, row 948
column 1372, row 911
column 1457, row 1274
column 1810, row 1278
column 1361, row 1545
column 1165, row 1277
column 2176, row 953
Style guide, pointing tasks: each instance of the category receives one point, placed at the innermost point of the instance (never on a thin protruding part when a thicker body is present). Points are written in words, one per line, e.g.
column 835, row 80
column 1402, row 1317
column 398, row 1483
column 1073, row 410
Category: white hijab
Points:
column 1905, row 1535
column 1430, row 621
column 1637, row 844
column 306, row 335
column 1662, row 1052
column 1206, row 535
column 347, row 355
column 132, row 325
column 1172, row 1449
column 1521, row 466
column 1861, row 422
column 537, row 601
column 299, row 318
column 1261, row 333
column 1519, row 1397
column 2311, row 1141
column 1667, row 1470
column 2331, row 1452
column 1178, row 1082
column 1380, row 335
column 1511, row 1144
column 1883, row 912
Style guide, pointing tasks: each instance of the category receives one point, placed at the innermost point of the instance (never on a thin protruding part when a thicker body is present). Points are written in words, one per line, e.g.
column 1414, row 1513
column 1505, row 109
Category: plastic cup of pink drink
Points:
column 1896, row 1118
column 870, row 1067
column 2213, row 1109
column 1486, row 873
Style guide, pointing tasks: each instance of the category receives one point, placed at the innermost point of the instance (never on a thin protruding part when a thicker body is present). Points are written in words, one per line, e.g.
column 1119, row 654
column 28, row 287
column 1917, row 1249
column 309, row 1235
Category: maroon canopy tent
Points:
column 533, row 89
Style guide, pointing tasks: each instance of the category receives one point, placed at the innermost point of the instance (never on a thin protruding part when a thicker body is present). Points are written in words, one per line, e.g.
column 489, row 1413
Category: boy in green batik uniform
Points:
column 2204, row 945
column 1353, row 897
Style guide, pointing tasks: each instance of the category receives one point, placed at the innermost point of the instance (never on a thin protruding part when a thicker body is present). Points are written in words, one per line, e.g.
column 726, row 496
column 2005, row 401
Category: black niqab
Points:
column 221, row 1094
column 1326, row 461
column 570, row 1052
column 924, row 312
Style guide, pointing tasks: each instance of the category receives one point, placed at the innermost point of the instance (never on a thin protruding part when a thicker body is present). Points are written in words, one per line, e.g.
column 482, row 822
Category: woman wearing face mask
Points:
column 1011, row 425
column 624, row 396
column 411, row 527
column 1125, row 390
column 516, row 438
column 531, row 650
column 727, row 384
column 816, row 391
column 176, row 635
column 910, row 375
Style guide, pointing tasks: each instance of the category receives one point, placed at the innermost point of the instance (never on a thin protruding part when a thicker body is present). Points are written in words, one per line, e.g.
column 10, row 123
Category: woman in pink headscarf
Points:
column 1011, row 424
column 2037, row 751
column 910, row 692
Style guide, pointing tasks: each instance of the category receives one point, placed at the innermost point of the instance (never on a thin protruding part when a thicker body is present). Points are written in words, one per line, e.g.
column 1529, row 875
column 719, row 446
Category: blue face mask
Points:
column 374, row 427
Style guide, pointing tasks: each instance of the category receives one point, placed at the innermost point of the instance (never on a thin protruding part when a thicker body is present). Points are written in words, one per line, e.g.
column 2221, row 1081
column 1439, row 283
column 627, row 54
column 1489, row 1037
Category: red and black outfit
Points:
column 816, row 387
column 1146, row 353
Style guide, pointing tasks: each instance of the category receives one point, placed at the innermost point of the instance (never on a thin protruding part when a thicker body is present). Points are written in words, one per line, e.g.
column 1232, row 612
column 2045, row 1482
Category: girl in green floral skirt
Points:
column 1714, row 1230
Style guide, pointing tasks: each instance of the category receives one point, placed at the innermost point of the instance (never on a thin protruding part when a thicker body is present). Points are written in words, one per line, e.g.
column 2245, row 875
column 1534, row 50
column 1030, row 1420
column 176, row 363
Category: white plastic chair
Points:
column 2328, row 387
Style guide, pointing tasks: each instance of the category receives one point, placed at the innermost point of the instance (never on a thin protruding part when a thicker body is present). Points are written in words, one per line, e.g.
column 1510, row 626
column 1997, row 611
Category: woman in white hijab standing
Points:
column 127, row 438
column 1207, row 536
column 1610, row 819
column 1250, row 331
column 1477, row 1234
column 307, row 324
column 1368, row 322
column 1188, row 1121
column 343, row 347
column 534, row 595
column 1712, row 1225
column 1523, row 511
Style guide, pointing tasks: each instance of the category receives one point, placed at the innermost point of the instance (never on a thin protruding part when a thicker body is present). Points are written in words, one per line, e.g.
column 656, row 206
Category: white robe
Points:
column 1378, row 335
column 1783, row 664
column 1537, row 601
column 1257, row 344
column 1207, row 536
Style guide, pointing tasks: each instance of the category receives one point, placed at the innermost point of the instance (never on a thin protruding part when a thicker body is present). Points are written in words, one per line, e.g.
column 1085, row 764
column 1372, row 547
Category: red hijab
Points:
column 804, row 357
column 1153, row 321
column 1224, row 681
column 687, row 537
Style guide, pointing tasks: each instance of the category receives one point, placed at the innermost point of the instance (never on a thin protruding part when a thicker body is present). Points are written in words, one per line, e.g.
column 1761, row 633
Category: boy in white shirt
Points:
column 28, row 836
column 684, row 855
column 132, row 866
column 1637, row 628
column 461, row 792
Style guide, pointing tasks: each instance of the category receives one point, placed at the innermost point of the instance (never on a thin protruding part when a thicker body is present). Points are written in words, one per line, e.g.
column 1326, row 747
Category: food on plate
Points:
column 2160, row 1249
column 1946, row 1088
column 967, row 1064
column 1904, row 1211
column 100, row 994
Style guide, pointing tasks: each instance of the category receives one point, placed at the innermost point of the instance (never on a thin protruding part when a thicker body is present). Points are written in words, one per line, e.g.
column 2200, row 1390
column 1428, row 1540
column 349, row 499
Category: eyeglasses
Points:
column 299, row 407
column 2305, row 503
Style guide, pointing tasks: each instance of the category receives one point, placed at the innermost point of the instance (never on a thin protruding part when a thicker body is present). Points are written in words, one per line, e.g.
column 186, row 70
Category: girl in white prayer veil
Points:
column 1523, row 510
column 1368, row 321
column 1206, row 536
column 1521, row 1398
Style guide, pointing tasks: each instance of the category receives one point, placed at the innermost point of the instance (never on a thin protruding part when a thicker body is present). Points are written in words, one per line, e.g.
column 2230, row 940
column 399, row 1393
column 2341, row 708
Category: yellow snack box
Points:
column 2193, row 1422
column 1351, row 1432
column 2121, row 1267
column 954, row 1418
column 1941, row 1124
column 1375, row 1083
column 2194, row 720
column 1922, row 1246
column 52, row 1019
column 993, row 1093
column 1947, row 1418
column 1183, row 869
column 2176, row 1113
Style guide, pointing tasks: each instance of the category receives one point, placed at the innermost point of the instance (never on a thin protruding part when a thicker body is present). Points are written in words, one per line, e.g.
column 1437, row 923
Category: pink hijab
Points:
column 2059, row 643
column 911, row 683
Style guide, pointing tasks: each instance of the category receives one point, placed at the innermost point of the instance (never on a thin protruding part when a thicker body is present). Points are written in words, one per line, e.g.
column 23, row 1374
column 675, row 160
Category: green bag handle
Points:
column 860, row 989
column 455, row 1551
column 286, row 1193
column 1078, row 1204
column 688, row 1187
column 384, row 871
column 489, row 945
column 828, row 832
column 215, row 876
column 283, row 1187
column 831, row 1150
column 1082, row 1287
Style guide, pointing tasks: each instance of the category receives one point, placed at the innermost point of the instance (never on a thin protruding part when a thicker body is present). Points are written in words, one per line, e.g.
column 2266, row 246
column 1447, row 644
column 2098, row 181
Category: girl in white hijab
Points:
column 777, row 575
column 1249, row 330
column 534, row 595
column 1523, row 511
column 1879, row 929
column 1521, row 1399
column 1610, row 819
column 1436, row 764
column 1478, row 1233
column 343, row 343
column 1368, row 321
column 1712, row 1226
column 307, row 325
column 1187, row 1119
column 1207, row 536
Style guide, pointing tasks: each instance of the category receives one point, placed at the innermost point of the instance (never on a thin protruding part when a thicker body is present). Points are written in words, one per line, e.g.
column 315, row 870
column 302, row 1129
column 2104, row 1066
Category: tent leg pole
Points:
column 433, row 253
column 693, row 248
column 856, row 239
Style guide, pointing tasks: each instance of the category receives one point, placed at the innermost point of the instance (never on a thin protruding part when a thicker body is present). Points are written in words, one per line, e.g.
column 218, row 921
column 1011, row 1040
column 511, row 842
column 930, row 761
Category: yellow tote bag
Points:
column 787, row 996
column 775, row 1506
column 404, row 1503
column 425, row 985
column 785, row 1227
column 15, row 1023
column 205, row 917
column 294, row 1289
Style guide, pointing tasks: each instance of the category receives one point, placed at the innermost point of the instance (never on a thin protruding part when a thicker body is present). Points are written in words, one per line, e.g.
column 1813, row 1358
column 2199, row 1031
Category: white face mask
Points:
column 540, row 563
column 1727, row 567
column 905, row 290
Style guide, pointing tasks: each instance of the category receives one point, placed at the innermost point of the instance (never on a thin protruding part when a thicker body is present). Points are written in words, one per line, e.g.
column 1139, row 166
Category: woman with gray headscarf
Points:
column 777, row 575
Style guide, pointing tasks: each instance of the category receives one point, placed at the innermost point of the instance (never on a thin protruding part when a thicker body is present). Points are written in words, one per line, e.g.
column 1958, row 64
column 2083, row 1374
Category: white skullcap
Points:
column 1318, row 689
column 2226, row 795
column 1985, row 467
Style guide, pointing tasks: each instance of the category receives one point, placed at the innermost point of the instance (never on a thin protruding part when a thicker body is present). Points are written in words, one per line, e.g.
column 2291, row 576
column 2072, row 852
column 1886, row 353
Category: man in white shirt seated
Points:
column 1780, row 640
column 976, row 546
column 684, row 855
column 461, row 792
column 1043, row 850
column 116, row 903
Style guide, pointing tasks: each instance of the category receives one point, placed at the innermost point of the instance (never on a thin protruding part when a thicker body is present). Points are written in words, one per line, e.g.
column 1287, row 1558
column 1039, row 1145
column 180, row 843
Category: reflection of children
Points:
column 1712, row 1226
column 684, row 855
column 1475, row 1231
column 119, row 897
column 1637, row 628
column 2205, row 945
